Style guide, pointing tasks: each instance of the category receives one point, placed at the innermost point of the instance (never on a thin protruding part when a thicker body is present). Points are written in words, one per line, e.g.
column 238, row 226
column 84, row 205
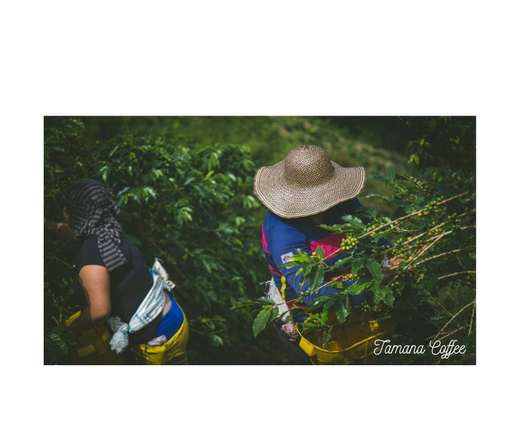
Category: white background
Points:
column 258, row 58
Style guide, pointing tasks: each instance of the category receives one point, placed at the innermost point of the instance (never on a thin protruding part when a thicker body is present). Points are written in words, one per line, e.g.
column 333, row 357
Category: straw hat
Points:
column 306, row 182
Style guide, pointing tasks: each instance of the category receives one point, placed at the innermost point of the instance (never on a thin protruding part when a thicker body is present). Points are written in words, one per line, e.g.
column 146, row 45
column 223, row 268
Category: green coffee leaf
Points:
column 307, row 266
column 338, row 285
column 357, row 265
column 274, row 314
column 341, row 263
column 216, row 341
column 375, row 270
column 337, row 228
column 357, row 288
column 265, row 300
column 261, row 320
column 391, row 173
column 244, row 304
column 316, row 277
column 355, row 222
column 385, row 294
column 326, row 337
column 340, row 310
column 290, row 264
column 57, row 344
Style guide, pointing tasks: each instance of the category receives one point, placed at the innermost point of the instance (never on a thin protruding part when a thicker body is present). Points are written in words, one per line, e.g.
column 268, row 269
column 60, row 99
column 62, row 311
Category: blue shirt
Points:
column 281, row 237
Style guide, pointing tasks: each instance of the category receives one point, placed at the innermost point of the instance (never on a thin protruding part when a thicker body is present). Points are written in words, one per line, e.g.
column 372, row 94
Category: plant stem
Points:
column 472, row 313
column 467, row 283
column 401, row 219
column 58, row 306
column 452, row 318
column 59, row 260
column 454, row 331
column 457, row 273
column 410, row 215
column 335, row 279
column 444, row 254
column 437, row 238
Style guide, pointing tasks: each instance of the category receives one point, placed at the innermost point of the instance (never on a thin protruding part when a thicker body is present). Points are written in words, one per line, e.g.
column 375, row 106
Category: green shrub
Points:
column 188, row 206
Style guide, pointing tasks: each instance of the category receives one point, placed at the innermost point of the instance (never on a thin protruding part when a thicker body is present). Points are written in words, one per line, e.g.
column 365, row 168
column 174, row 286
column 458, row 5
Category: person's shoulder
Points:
column 278, row 230
column 89, row 246
column 273, row 220
column 89, row 254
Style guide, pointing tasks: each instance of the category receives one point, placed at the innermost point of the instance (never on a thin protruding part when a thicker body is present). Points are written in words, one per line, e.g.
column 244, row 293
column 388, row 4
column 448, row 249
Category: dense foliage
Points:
column 433, row 228
column 192, row 205
column 185, row 206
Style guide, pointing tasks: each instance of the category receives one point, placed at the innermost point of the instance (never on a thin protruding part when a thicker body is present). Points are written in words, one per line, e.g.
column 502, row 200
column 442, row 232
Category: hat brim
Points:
column 290, row 202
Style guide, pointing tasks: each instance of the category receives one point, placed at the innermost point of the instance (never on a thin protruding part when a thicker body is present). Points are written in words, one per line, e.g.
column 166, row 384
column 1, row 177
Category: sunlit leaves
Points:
column 354, row 222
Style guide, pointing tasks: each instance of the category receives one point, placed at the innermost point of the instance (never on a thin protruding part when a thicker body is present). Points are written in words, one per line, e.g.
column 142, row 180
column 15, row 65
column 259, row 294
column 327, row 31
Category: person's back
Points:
column 113, row 282
column 129, row 284
column 281, row 237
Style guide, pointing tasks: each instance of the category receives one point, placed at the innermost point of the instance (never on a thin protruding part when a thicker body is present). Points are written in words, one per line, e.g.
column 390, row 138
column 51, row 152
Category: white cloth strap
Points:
column 149, row 309
column 288, row 327
column 274, row 294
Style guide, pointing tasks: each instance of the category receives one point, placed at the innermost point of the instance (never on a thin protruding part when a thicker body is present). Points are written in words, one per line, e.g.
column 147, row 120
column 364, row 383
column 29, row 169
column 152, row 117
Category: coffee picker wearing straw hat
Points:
column 302, row 192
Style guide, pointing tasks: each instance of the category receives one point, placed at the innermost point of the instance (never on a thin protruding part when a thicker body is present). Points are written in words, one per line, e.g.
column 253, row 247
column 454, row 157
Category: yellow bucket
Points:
column 93, row 347
column 368, row 330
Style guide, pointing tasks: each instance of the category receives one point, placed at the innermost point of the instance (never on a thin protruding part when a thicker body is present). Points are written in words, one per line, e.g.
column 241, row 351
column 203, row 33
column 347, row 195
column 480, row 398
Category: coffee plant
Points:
column 192, row 205
column 432, row 228
column 186, row 205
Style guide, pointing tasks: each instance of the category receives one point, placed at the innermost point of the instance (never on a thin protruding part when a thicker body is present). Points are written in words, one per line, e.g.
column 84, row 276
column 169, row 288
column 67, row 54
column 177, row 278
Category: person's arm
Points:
column 390, row 271
column 61, row 230
column 95, row 281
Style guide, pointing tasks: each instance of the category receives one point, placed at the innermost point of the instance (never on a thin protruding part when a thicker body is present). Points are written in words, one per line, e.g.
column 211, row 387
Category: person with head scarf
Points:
column 302, row 192
column 113, row 282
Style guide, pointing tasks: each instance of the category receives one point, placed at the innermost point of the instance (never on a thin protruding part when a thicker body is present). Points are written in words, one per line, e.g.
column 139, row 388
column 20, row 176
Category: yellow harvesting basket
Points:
column 93, row 347
column 362, row 349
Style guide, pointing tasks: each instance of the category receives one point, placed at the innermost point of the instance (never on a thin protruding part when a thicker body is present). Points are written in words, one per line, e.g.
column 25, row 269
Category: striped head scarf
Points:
column 92, row 212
